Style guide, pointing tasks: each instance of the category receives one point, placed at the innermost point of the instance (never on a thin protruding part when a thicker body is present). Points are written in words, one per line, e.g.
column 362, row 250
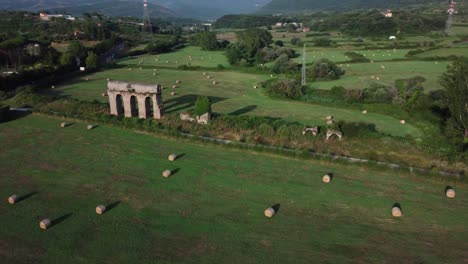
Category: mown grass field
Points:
column 210, row 59
column 359, row 75
column 338, row 55
column 211, row 209
column 234, row 93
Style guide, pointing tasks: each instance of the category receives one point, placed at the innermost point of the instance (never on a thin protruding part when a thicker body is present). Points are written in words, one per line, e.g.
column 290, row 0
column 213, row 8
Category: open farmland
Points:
column 67, row 172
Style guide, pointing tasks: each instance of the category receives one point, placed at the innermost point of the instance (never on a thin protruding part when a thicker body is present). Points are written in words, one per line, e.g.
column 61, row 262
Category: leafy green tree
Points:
column 202, row 105
column 75, row 49
column 206, row 40
column 322, row 42
column 279, row 43
column 92, row 61
column 66, row 59
column 234, row 54
column 324, row 69
column 251, row 41
column 455, row 82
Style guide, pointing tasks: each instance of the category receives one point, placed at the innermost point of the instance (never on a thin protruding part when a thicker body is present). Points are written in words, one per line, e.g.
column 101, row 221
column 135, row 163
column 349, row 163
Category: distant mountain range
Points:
column 199, row 9
column 285, row 6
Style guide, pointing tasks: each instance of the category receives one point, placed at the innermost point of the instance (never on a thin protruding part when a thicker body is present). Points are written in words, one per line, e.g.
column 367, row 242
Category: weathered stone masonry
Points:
column 133, row 99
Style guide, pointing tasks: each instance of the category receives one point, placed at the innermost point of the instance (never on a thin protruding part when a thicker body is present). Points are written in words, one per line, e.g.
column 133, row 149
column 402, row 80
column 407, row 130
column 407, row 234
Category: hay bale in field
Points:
column 214, row 82
column 449, row 192
column 208, row 77
column 44, row 224
column 100, row 209
column 129, row 69
column 364, row 112
column 90, row 126
column 377, row 78
column 270, row 212
column 166, row 173
column 173, row 93
column 396, row 211
column 204, row 73
column 63, row 124
column 255, row 87
column 172, row 157
column 108, row 79
column 329, row 117
column 330, row 122
column 174, row 86
column 12, row 199
column 402, row 122
column 154, row 74
column 327, row 178
column 178, row 82
column 103, row 94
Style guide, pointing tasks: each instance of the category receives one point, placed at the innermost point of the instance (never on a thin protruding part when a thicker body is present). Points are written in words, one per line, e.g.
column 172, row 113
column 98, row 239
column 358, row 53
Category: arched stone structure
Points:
column 132, row 99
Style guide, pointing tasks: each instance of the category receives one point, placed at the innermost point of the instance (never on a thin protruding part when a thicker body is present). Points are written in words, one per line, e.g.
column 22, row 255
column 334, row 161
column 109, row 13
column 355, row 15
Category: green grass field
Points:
column 359, row 75
column 338, row 55
column 210, row 59
column 445, row 52
column 234, row 92
column 211, row 209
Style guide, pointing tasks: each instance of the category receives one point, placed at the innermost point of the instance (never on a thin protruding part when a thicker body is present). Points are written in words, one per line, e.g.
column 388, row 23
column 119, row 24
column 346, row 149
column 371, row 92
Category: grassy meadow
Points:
column 211, row 209
column 233, row 93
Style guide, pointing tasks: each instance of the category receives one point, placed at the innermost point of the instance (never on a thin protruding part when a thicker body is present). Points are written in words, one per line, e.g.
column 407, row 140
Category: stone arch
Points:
column 134, row 105
column 149, row 108
column 119, row 105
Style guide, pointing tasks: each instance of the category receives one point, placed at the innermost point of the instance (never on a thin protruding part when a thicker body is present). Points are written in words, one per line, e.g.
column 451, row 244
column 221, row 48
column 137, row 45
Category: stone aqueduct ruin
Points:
column 135, row 100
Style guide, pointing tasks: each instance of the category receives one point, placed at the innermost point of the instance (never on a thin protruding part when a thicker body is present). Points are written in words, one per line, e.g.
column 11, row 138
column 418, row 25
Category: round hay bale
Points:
column 44, row 224
column 12, row 199
column 396, row 211
column 204, row 73
column 174, row 86
column 330, row 122
column 172, row 157
column 129, row 69
column 154, row 74
column 270, row 212
column 173, row 93
column 208, row 77
column 108, row 79
column 364, row 112
column 402, row 122
column 255, row 87
column 167, row 174
column 100, row 209
column 89, row 127
column 104, row 94
column 326, row 178
column 178, row 82
column 329, row 117
column 64, row 124
column 450, row 193
column 214, row 82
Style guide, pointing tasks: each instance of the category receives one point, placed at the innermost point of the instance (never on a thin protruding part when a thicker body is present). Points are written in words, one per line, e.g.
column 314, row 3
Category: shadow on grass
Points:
column 60, row 219
column 397, row 205
column 26, row 196
column 112, row 206
column 276, row 207
column 186, row 102
column 174, row 171
column 243, row 110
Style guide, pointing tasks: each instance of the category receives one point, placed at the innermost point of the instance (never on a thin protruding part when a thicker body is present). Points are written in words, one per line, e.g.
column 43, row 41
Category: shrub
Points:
column 283, row 65
column 202, row 105
column 356, row 57
column 291, row 89
column 323, row 42
column 324, row 69
column 296, row 41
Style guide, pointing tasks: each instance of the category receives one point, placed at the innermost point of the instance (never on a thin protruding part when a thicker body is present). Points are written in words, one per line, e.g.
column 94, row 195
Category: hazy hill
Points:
column 281, row 6
column 107, row 7
column 201, row 9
